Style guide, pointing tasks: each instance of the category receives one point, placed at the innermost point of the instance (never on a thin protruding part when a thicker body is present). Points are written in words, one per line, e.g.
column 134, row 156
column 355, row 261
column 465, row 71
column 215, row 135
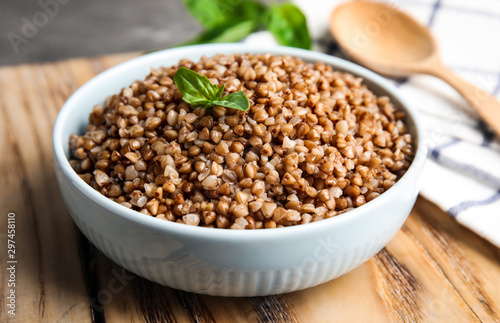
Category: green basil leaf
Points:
column 202, row 104
column 247, row 10
column 211, row 13
column 236, row 100
column 194, row 87
column 225, row 33
column 218, row 95
column 208, row 12
column 198, row 91
column 288, row 24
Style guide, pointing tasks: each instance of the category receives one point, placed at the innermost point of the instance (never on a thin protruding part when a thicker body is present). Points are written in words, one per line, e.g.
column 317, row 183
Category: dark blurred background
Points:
column 48, row 30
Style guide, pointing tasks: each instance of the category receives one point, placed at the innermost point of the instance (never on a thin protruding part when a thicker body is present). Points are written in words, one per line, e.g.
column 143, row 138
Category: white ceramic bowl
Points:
column 228, row 262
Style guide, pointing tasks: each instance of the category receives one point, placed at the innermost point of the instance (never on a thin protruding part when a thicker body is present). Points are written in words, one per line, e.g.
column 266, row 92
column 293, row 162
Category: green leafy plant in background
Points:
column 232, row 20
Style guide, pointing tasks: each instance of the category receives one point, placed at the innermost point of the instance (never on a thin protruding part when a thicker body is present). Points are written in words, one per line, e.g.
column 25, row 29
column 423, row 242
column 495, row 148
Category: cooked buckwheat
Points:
column 315, row 143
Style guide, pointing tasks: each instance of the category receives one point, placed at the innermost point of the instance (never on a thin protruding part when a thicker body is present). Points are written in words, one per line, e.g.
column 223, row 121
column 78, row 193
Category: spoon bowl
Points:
column 366, row 32
column 392, row 43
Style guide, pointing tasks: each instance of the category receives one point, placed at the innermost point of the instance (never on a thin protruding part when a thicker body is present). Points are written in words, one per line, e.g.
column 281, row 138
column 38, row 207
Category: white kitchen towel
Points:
column 462, row 173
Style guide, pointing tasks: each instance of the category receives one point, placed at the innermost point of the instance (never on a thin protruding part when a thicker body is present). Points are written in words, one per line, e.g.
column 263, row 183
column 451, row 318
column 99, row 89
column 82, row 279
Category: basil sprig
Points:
column 198, row 91
column 230, row 21
column 288, row 25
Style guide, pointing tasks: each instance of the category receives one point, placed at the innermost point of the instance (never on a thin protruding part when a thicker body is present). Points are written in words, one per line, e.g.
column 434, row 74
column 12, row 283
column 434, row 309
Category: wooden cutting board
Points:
column 434, row 270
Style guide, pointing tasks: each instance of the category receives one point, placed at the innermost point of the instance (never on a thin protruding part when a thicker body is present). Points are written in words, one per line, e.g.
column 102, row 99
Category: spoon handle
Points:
column 487, row 106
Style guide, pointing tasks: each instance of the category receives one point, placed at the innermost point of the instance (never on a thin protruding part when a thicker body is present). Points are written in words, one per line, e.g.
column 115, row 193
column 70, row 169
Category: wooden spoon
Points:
column 392, row 43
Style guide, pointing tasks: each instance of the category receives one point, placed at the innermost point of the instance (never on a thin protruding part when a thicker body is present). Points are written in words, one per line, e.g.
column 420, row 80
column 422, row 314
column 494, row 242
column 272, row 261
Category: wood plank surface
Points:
column 434, row 270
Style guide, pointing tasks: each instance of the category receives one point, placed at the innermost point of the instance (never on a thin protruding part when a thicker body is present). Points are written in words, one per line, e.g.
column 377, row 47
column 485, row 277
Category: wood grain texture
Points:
column 399, row 289
column 434, row 270
column 50, row 285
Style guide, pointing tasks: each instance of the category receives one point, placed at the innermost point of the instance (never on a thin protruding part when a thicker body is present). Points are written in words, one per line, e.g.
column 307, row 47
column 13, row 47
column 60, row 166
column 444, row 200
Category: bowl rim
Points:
column 227, row 234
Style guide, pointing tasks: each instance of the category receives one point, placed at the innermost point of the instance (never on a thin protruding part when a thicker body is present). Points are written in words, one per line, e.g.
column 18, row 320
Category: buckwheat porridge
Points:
column 314, row 143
